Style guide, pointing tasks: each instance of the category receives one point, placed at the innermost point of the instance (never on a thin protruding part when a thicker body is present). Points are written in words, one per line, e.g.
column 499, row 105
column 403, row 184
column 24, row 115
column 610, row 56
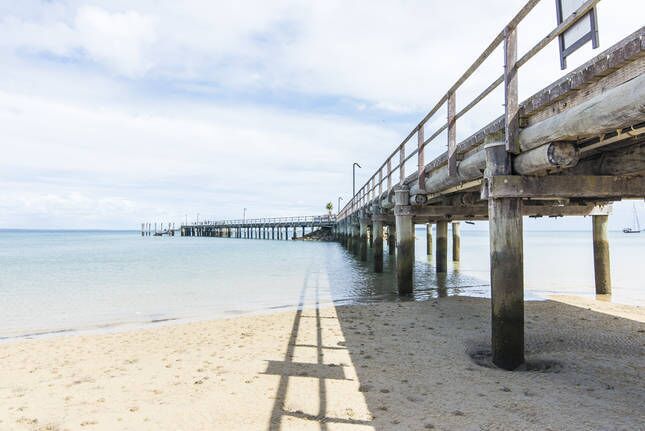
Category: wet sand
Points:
column 383, row 366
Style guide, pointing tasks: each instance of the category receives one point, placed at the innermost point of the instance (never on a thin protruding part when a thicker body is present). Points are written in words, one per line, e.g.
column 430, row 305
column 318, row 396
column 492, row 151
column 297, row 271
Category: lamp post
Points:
column 338, row 207
column 244, row 216
column 354, row 178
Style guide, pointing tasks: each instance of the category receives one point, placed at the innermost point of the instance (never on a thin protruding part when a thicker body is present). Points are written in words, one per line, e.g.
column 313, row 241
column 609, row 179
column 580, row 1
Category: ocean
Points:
column 57, row 282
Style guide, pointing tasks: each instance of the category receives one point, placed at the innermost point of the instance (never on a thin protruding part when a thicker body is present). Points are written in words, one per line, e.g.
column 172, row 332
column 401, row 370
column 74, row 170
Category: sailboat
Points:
column 637, row 225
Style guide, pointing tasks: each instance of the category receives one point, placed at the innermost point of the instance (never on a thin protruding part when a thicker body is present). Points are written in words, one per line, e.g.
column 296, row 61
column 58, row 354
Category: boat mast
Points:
column 636, row 222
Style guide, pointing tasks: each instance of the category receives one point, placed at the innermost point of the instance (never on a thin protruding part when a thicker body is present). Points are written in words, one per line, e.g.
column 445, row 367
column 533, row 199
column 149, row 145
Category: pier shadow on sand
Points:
column 417, row 365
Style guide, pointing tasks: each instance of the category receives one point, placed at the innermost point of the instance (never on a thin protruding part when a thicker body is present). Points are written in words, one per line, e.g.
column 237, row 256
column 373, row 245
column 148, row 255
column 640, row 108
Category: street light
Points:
column 354, row 178
column 244, row 216
column 338, row 208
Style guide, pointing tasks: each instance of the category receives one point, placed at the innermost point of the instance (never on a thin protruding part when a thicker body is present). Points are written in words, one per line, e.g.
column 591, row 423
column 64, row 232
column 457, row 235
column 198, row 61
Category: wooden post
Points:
column 355, row 238
column 370, row 236
column 456, row 241
column 363, row 239
column 506, row 265
column 391, row 240
column 429, row 239
column 377, row 234
column 404, row 241
column 348, row 235
column 601, row 254
column 442, row 247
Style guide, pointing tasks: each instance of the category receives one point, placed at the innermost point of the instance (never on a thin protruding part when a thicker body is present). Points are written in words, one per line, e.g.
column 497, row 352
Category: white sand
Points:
column 383, row 366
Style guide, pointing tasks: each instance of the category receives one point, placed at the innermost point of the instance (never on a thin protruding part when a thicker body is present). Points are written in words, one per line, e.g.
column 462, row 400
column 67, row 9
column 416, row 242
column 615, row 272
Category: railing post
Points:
column 402, row 164
column 511, row 105
column 421, row 166
column 452, row 134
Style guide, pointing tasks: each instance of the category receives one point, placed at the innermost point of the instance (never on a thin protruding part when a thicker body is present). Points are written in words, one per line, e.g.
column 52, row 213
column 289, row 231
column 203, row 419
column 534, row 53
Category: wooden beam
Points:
column 592, row 186
column 449, row 211
column 616, row 108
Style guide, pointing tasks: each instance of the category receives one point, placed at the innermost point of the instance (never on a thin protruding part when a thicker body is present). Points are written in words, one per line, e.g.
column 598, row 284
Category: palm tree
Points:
column 329, row 207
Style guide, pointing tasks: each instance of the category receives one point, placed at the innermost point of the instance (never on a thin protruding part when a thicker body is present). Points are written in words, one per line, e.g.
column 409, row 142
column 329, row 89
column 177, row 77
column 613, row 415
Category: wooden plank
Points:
column 452, row 135
column 562, row 186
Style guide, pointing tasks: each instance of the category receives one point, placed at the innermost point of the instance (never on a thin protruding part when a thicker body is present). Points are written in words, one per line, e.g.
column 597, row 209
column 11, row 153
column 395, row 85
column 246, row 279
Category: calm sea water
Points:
column 61, row 281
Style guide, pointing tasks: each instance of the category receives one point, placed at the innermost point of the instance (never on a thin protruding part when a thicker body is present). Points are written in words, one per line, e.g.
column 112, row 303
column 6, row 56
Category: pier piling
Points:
column 429, row 239
column 441, row 262
column 601, row 254
column 363, row 239
column 377, row 233
column 404, row 241
column 456, row 241
column 506, row 265
column 391, row 239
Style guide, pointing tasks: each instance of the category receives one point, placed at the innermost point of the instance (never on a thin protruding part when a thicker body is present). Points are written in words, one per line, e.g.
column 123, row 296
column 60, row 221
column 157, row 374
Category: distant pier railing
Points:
column 260, row 228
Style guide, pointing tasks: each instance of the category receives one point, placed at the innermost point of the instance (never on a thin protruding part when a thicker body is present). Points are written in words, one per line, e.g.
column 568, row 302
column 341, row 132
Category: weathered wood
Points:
column 618, row 107
column 511, row 104
column 467, row 169
column 391, row 239
column 452, row 135
column 441, row 262
column 450, row 211
column 404, row 243
column 556, row 155
column 623, row 161
column 507, row 266
column 420, row 158
column 377, row 233
column 456, row 241
column 601, row 254
column 428, row 239
column 560, row 186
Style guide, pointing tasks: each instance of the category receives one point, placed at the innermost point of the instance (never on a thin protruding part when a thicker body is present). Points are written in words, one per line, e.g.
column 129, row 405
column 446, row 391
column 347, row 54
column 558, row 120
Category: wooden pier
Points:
column 569, row 150
column 282, row 228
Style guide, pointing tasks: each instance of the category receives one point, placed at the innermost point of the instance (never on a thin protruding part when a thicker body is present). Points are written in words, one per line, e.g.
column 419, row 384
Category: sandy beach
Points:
column 383, row 366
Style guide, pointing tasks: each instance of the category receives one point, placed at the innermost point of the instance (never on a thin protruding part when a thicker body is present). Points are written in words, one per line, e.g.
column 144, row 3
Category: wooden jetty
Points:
column 569, row 150
column 281, row 228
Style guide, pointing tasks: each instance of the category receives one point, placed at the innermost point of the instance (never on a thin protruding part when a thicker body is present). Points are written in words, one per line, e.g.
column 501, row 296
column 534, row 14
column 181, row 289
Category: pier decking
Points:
column 569, row 150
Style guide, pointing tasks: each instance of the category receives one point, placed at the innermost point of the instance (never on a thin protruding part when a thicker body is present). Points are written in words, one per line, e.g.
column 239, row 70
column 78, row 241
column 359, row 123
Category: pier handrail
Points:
column 325, row 218
column 508, row 36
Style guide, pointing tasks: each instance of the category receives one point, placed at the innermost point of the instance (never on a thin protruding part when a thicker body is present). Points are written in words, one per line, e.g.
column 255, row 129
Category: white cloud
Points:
column 119, row 40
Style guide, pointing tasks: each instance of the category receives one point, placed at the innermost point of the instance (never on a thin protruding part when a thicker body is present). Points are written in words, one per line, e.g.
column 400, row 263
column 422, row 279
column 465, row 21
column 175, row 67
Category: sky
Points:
column 118, row 112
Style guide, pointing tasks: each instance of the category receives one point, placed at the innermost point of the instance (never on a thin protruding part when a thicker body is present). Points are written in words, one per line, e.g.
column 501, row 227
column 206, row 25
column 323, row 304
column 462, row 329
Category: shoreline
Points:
column 129, row 326
column 399, row 365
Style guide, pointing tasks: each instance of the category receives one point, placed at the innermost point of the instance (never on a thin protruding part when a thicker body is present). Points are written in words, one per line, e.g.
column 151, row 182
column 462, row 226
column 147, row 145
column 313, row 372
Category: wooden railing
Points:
column 381, row 181
column 318, row 219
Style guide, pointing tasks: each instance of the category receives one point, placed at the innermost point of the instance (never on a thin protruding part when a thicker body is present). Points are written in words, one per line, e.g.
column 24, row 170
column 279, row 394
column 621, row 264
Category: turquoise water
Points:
column 61, row 281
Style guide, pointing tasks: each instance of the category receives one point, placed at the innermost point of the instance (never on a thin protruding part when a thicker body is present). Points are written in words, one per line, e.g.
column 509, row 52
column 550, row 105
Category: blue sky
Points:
column 119, row 112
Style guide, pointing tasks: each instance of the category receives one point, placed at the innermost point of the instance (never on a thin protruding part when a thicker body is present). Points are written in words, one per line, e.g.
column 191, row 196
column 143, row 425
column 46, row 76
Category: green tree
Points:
column 329, row 207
